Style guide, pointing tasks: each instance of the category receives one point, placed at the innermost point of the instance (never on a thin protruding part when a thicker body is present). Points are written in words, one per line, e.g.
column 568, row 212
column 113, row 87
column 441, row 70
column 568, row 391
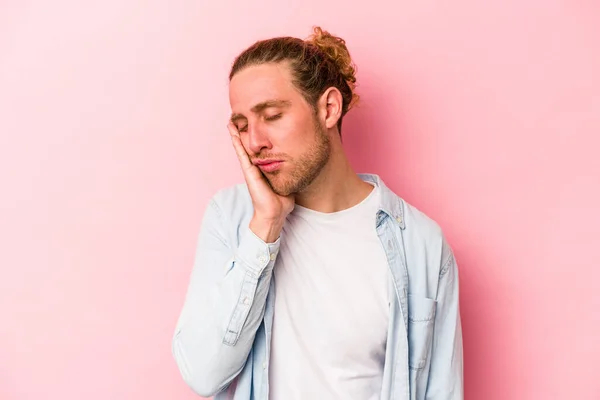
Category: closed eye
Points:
column 273, row 117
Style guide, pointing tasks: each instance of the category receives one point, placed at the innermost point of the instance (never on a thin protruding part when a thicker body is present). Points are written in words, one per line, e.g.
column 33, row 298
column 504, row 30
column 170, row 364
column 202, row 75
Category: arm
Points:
column 224, row 305
column 446, row 370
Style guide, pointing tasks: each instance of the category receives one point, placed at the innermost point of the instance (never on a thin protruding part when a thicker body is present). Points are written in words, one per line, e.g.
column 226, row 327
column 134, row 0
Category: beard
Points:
column 305, row 169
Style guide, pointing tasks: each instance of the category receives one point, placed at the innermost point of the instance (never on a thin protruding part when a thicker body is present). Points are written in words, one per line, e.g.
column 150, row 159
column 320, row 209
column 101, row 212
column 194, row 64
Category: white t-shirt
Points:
column 331, row 306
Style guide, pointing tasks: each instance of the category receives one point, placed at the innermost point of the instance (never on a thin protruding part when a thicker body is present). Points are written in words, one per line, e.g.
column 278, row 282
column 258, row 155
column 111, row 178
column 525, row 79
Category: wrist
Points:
column 266, row 229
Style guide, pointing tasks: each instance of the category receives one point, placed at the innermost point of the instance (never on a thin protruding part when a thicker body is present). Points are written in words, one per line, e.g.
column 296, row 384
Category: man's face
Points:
column 277, row 125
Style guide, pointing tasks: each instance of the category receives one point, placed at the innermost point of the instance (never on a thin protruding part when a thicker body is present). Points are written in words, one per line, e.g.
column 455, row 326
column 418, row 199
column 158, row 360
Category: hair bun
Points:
column 335, row 48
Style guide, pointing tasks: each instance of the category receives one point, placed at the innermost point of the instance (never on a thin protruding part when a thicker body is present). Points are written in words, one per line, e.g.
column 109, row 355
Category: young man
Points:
column 312, row 281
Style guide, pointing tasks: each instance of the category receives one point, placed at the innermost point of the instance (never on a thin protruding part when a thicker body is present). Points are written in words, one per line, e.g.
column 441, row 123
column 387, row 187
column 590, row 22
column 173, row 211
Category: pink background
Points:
column 486, row 115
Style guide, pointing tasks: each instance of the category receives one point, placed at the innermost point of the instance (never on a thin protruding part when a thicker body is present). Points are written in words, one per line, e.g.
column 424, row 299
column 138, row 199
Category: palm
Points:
column 267, row 203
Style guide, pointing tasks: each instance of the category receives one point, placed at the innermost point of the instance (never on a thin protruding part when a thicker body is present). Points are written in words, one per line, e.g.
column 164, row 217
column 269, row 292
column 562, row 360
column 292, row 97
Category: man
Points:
column 312, row 281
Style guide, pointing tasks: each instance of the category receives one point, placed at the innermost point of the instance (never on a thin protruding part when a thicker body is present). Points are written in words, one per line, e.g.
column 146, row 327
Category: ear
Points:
column 331, row 106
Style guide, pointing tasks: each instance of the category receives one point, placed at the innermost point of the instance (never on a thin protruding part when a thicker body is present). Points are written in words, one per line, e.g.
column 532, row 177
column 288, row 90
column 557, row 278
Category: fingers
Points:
column 239, row 148
column 233, row 129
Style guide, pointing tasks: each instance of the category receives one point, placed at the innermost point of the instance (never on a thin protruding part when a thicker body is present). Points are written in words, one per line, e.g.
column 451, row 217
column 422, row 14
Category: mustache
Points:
column 268, row 157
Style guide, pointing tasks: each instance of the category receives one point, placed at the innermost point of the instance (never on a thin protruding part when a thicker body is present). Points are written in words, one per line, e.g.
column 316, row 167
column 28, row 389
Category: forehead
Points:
column 256, row 84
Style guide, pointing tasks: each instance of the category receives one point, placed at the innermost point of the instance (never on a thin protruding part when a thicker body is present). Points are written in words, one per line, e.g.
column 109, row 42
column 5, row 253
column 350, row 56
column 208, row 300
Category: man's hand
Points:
column 270, row 209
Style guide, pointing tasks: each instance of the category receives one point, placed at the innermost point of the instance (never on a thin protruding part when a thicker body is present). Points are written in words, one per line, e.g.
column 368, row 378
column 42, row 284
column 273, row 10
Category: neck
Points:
column 336, row 188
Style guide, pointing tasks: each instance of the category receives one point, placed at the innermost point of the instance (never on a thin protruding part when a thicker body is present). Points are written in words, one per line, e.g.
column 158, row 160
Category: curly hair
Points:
column 317, row 63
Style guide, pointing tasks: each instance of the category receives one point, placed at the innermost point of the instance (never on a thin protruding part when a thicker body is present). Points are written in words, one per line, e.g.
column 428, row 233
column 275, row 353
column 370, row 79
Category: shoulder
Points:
column 412, row 219
column 426, row 233
column 427, row 251
column 231, row 196
column 420, row 223
column 233, row 203
column 422, row 234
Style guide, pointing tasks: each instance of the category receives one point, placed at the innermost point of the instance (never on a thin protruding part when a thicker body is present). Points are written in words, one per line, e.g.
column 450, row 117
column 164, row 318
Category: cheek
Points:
column 293, row 132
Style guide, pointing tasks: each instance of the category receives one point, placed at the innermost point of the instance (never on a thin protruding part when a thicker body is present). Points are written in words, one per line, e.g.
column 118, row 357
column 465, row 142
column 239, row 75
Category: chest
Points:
column 331, row 285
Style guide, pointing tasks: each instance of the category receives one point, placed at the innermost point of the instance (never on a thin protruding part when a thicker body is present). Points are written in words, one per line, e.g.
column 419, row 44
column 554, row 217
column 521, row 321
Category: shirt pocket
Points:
column 421, row 316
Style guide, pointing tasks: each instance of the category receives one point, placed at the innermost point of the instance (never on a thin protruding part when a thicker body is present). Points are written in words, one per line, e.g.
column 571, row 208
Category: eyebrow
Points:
column 261, row 107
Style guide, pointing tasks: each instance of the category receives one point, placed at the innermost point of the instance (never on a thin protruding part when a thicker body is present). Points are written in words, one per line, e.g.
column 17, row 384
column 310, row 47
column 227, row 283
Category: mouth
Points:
column 268, row 165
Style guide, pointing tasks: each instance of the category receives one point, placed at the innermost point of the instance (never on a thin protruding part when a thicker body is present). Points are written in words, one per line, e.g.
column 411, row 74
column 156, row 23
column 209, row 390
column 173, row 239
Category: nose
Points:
column 257, row 139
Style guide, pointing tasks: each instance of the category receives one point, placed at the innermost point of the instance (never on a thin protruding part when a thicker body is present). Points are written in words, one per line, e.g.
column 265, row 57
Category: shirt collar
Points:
column 390, row 204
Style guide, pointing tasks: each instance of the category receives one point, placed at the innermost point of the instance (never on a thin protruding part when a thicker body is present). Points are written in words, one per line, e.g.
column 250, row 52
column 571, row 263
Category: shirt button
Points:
column 246, row 300
column 273, row 257
column 264, row 365
column 399, row 219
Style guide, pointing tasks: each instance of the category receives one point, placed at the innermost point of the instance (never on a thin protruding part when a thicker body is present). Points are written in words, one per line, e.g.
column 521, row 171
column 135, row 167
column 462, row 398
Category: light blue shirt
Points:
column 221, row 341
